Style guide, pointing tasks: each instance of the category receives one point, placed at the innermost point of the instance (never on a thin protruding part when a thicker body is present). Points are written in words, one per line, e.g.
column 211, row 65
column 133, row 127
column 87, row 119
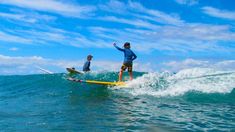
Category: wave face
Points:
column 190, row 100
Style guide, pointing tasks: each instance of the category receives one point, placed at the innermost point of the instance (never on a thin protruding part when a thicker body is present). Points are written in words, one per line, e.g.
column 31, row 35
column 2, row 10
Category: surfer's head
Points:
column 89, row 57
column 127, row 45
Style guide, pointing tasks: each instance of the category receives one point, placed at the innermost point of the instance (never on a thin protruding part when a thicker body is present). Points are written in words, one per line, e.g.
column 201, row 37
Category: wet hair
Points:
column 89, row 56
column 127, row 44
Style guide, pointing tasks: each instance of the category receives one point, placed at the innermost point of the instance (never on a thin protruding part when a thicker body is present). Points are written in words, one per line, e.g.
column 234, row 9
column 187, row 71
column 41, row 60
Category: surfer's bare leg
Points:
column 131, row 75
column 120, row 76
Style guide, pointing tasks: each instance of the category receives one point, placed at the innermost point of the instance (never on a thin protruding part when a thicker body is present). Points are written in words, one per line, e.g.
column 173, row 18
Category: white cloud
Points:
column 187, row 2
column 187, row 33
column 17, row 17
column 137, row 22
column 29, row 17
column 140, row 13
column 185, row 64
column 189, row 37
column 226, row 64
column 28, row 65
column 52, row 35
column 8, row 60
column 115, row 6
column 193, row 63
column 52, row 6
column 13, row 49
column 154, row 15
column 175, row 35
column 13, row 38
column 219, row 13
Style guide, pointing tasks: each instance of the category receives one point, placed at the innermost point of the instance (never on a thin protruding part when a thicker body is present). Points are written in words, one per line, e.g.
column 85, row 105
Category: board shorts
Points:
column 127, row 66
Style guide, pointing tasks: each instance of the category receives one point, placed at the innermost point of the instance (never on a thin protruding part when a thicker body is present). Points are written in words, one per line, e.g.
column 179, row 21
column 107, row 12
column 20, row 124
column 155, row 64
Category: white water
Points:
column 198, row 79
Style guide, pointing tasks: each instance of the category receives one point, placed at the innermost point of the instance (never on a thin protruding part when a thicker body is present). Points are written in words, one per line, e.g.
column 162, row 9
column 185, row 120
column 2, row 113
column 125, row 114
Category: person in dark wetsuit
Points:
column 129, row 56
column 86, row 66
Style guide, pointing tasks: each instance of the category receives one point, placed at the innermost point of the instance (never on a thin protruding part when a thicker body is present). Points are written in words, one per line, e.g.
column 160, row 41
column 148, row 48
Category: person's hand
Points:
column 114, row 44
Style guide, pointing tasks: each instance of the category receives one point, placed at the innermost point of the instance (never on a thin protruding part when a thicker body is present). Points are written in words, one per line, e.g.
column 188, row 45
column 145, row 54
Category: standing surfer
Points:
column 129, row 56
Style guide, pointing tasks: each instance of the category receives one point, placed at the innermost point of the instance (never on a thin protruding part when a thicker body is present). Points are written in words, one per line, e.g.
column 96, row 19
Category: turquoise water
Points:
column 191, row 100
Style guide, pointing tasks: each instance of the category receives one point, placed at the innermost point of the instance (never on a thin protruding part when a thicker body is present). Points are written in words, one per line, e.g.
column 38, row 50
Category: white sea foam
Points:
column 198, row 79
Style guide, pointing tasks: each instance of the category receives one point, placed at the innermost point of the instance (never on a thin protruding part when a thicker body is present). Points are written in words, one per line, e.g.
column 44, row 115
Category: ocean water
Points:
column 190, row 100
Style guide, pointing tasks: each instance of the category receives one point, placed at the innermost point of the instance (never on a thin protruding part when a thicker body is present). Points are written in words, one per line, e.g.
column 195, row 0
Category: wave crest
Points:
column 197, row 79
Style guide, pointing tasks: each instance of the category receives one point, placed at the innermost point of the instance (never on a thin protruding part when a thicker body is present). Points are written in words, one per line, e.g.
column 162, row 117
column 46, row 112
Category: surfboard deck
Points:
column 73, row 71
column 97, row 82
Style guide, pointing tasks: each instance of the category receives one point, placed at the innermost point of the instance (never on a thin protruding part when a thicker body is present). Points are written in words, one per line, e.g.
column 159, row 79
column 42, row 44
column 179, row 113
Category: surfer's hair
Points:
column 127, row 45
column 89, row 56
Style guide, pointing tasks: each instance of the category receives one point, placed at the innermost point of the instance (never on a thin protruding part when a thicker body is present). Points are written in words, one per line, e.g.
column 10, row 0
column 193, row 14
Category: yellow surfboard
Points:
column 97, row 82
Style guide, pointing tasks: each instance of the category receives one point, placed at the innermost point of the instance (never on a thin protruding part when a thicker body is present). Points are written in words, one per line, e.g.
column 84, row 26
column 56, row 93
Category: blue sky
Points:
column 167, row 35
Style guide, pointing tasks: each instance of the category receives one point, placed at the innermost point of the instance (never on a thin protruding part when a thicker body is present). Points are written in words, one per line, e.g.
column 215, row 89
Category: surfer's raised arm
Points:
column 115, row 45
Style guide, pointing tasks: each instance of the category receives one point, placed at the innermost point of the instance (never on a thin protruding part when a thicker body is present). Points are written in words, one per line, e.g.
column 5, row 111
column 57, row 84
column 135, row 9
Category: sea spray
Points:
column 198, row 79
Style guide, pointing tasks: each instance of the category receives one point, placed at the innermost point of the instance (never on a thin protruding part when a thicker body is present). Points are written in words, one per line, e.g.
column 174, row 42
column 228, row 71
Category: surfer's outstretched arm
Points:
column 114, row 44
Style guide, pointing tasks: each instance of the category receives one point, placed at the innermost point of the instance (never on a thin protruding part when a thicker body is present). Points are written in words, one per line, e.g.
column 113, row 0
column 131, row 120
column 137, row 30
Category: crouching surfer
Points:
column 87, row 64
column 86, row 67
